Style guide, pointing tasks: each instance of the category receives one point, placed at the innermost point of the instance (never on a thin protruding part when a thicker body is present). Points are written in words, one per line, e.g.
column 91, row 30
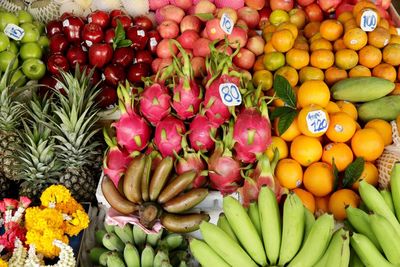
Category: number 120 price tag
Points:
column 230, row 94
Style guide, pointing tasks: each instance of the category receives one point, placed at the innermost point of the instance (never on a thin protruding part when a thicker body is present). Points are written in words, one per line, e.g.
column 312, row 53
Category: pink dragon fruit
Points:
column 201, row 133
column 224, row 170
column 168, row 136
column 252, row 133
column 154, row 103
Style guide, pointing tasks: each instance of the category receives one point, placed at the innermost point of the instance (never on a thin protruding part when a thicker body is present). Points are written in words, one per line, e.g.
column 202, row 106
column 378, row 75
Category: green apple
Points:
column 33, row 68
column 13, row 47
column 18, row 78
column 6, row 57
column 7, row 18
column 30, row 50
column 24, row 17
column 4, row 41
column 40, row 25
column 44, row 42
column 31, row 33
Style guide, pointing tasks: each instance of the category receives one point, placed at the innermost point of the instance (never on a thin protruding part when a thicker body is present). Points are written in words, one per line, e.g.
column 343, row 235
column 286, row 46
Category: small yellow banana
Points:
column 309, row 221
column 224, row 225
column 338, row 252
column 387, row 196
column 205, row 255
column 395, row 187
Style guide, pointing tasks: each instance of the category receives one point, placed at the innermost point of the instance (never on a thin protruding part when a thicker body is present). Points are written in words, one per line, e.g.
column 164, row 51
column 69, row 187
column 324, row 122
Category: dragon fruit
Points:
column 132, row 131
column 201, row 133
column 168, row 136
column 223, row 169
column 252, row 133
column 154, row 103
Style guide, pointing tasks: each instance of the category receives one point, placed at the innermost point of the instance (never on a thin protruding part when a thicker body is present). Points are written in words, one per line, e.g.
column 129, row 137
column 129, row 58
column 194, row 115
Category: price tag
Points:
column 90, row 19
column 14, row 32
column 153, row 42
column 226, row 24
column 66, row 23
column 84, row 48
column 230, row 94
column 317, row 121
column 141, row 33
column 58, row 85
column 89, row 43
column 103, row 77
column 369, row 20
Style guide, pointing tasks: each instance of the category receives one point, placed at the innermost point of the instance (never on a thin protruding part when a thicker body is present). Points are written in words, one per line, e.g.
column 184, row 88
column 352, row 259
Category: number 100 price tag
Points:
column 226, row 24
column 230, row 94
column 369, row 20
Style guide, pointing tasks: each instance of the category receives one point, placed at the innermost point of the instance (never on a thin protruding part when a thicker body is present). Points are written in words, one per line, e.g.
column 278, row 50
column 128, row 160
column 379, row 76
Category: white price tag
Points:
column 89, row 43
column 226, row 24
column 369, row 20
column 66, row 23
column 58, row 85
column 90, row 19
column 103, row 77
column 153, row 42
column 230, row 94
column 141, row 33
column 84, row 48
column 14, row 32
column 317, row 121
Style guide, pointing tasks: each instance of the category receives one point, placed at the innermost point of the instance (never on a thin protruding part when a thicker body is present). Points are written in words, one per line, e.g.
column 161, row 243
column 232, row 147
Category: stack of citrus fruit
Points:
column 325, row 133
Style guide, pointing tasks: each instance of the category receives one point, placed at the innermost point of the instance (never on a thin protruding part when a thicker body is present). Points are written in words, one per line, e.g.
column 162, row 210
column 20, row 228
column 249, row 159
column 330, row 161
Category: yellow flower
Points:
column 78, row 222
column 43, row 241
column 3, row 263
column 69, row 207
column 55, row 194
column 36, row 218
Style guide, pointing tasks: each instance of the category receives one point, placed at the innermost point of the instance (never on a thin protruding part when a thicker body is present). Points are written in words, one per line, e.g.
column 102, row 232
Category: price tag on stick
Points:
column 14, row 32
column 369, row 20
column 230, row 94
column 226, row 24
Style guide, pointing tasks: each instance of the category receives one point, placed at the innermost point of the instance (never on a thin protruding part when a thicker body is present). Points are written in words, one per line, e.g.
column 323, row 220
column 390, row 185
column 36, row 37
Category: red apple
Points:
column 304, row 3
column 250, row 16
column 58, row 43
column 125, row 20
column 154, row 40
column 286, row 5
column 116, row 12
column 107, row 97
column 244, row 59
column 264, row 17
column 187, row 38
column 230, row 12
column 138, row 36
column 170, row 12
column 72, row 27
column 256, row 4
column 100, row 18
column 298, row 17
column 256, row 45
column 53, row 27
column 190, row 22
column 109, row 36
column 123, row 56
column 199, row 66
column 46, row 84
column 100, row 54
column 237, row 38
column 138, row 71
column 168, row 29
column 143, row 22
column 242, row 24
column 328, row 6
column 76, row 55
column 57, row 62
column 214, row 30
column 114, row 74
column 204, row 6
column 91, row 34
column 65, row 15
column 343, row 7
column 143, row 56
column 165, row 49
column 314, row 12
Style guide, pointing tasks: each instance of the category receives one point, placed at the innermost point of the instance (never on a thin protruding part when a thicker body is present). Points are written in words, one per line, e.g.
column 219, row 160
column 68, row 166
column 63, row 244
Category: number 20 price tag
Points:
column 369, row 20
column 230, row 94
column 14, row 32
column 226, row 24
column 317, row 121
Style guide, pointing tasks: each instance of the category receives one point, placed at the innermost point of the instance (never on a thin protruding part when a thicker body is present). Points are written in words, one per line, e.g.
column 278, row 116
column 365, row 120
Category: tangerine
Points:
column 355, row 39
column 307, row 198
column 333, row 75
column 345, row 16
column 346, row 59
column 318, row 179
column 291, row 133
column 331, row 29
column 341, row 127
column 311, row 28
column 289, row 173
column 339, row 153
column 383, row 127
column 379, row 37
column 360, row 71
column 320, row 44
column 289, row 26
column 289, row 73
column 367, row 143
column 313, row 92
column 308, row 73
column 332, row 107
column 306, row 150
column 391, row 54
column 297, row 58
column 322, row 58
column 370, row 56
column 282, row 40
column 385, row 71
column 349, row 108
column 338, row 45
column 340, row 200
column 369, row 174
column 277, row 143
column 361, row 5
column 321, row 205
column 274, row 60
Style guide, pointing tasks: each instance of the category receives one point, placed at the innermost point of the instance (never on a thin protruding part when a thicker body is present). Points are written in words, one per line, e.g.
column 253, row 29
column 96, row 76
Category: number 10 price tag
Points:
column 226, row 24
column 230, row 94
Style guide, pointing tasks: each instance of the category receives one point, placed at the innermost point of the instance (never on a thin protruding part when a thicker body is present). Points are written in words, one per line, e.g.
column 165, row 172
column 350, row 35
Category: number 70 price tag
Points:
column 230, row 94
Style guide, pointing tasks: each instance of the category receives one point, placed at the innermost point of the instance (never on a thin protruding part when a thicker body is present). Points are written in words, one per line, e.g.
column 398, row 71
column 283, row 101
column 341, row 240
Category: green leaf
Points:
column 124, row 43
column 353, row 172
column 205, row 16
column 285, row 120
column 280, row 111
column 335, row 175
column 284, row 91
column 119, row 33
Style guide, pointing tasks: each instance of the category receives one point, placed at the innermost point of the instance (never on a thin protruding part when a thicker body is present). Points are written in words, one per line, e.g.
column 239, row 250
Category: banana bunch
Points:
column 156, row 195
column 260, row 236
column 131, row 247
column 376, row 237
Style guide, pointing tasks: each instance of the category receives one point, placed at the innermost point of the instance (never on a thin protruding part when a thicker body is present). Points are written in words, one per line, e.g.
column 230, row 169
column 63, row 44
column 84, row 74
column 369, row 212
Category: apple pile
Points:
column 23, row 42
column 118, row 46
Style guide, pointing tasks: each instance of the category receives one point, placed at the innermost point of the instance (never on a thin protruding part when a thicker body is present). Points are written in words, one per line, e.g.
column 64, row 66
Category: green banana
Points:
column 95, row 254
column 177, row 256
column 131, row 256
column 360, row 221
column 270, row 223
column 224, row 225
column 109, row 228
column 153, row 239
column 292, row 228
column 367, row 252
column 103, row 258
column 395, row 187
column 316, row 242
column 338, row 252
column 115, row 260
column 112, row 242
column 99, row 235
column 166, row 264
column 387, row 196
column 354, row 259
column 375, row 202
column 244, row 229
column 224, row 246
column 309, row 221
column 124, row 233
column 147, row 257
column 139, row 236
column 387, row 237
column 205, row 255
column 255, row 216
column 159, row 258
column 171, row 241
column 182, row 264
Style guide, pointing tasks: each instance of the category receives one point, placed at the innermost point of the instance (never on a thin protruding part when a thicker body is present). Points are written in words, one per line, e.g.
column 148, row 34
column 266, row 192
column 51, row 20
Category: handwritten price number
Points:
column 369, row 20
column 226, row 24
column 14, row 32
column 230, row 94
column 317, row 121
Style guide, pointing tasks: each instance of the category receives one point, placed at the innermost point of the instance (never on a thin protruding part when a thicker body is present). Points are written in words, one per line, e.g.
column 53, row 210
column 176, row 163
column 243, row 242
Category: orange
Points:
column 313, row 92
column 396, row 90
column 340, row 200
column 313, row 120
column 338, row 44
column 391, row 54
column 333, row 75
column 308, row 73
column 259, row 65
column 311, row 28
column 267, row 37
column 289, row 26
column 384, row 23
column 370, row 56
column 394, row 39
column 385, row 71
column 274, row 60
column 289, row 173
column 282, row 40
column 350, row 24
column 289, row 73
column 277, row 143
column 392, row 30
column 345, row 16
column 318, row 179
column 379, row 37
column 315, row 37
column 349, row 108
column 361, row 5
column 383, row 127
column 367, row 143
column 268, row 47
column 306, row 150
column 291, row 133
column 341, row 127
column 360, row 71
column 332, row 107
column 278, row 16
column 321, row 205
column 320, row 44
column 264, row 79
column 301, row 44
column 340, row 153
column 346, row 59
column 322, row 58
column 269, row 29
column 307, row 198
column 369, row 174
column 355, row 39
column 331, row 29
column 297, row 58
